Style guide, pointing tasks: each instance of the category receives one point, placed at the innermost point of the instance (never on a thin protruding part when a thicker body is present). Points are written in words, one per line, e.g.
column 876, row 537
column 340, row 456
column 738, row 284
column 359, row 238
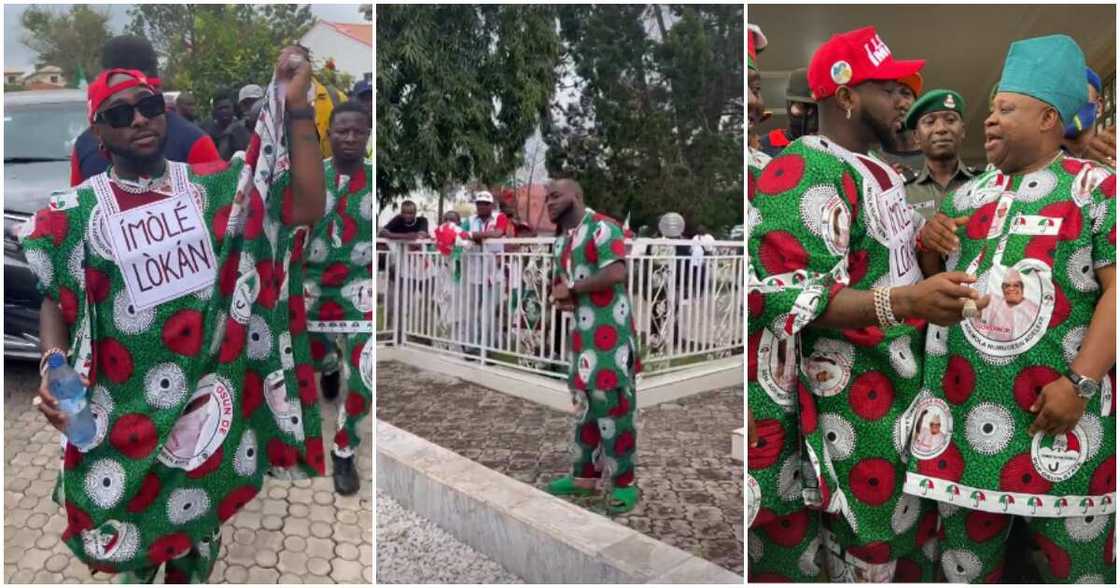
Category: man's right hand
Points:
column 48, row 405
column 940, row 233
column 938, row 299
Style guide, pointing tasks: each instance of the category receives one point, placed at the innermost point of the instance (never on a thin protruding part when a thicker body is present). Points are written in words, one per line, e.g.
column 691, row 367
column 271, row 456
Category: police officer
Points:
column 802, row 111
column 937, row 120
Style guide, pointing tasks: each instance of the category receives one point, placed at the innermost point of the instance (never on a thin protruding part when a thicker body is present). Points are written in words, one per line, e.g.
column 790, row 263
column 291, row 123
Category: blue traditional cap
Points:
column 1050, row 69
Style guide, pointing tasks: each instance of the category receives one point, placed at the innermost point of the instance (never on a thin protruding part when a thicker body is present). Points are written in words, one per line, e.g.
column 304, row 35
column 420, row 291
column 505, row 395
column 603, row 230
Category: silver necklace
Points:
column 142, row 185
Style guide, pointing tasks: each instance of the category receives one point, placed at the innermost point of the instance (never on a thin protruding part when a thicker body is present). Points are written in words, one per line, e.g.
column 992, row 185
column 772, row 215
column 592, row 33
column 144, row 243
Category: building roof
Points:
column 362, row 33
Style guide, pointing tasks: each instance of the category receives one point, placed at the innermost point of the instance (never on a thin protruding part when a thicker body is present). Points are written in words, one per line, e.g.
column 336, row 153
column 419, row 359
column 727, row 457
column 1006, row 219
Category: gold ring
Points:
column 970, row 311
column 36, row 401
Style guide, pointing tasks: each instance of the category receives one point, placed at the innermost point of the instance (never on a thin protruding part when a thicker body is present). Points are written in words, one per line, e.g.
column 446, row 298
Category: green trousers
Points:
column 605, row 435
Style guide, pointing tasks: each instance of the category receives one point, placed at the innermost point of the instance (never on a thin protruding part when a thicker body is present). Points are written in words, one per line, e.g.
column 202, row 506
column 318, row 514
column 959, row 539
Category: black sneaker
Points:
column 330, row 385
column 346, row 481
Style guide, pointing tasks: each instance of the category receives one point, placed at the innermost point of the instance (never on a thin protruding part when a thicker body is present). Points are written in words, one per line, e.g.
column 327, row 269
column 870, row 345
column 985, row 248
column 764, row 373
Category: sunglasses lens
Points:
column 122, row 115
column 118, row 116
column 152, row 106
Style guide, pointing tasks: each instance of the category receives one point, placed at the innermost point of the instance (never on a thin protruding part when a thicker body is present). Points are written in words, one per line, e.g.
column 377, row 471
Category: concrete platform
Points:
column 539, row 537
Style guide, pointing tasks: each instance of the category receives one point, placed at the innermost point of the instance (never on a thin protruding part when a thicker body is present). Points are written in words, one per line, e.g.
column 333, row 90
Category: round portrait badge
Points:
column 829, row 367
column 202, row 427
column 1016, row 319
column 754, row 499
column 775, row 373
column 933, row 428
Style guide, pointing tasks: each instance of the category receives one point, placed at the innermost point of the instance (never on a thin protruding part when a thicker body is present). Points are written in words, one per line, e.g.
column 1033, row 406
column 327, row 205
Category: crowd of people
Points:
column 931, row 358
column 201, row 301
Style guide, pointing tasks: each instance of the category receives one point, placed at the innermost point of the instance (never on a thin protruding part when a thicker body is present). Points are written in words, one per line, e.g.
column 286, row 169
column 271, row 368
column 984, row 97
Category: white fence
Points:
column 493, row 305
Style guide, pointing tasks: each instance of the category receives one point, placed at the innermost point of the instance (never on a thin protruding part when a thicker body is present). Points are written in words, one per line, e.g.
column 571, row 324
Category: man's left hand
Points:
column 295, row 69
column 1058, row 408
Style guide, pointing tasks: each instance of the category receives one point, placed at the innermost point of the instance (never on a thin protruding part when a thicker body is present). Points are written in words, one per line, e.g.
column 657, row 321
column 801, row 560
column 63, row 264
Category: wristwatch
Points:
column 1086, row 387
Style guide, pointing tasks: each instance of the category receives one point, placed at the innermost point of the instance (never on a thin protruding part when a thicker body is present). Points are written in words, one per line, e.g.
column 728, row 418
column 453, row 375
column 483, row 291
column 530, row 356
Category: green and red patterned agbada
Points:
column 194, row 397
column 1034, row 241
column 339, row 295
column 822, row 219
column 604, row 350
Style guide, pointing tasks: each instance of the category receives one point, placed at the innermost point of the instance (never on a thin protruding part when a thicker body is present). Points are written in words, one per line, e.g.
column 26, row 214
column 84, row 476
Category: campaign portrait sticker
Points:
column 202, row 427
column 933, row 428
column 1016, row 318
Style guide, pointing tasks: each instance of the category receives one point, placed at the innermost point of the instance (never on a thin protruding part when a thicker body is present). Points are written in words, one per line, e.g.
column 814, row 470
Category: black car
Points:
column 40, row 128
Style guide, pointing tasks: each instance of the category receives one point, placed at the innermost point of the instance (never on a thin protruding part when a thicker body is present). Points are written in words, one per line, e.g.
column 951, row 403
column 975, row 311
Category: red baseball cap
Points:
column 851, row 58
column 99, row 89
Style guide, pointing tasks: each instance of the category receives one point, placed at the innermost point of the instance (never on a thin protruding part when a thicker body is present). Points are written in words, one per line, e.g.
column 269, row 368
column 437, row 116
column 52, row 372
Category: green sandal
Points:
column 566, row 486
column 623, row 500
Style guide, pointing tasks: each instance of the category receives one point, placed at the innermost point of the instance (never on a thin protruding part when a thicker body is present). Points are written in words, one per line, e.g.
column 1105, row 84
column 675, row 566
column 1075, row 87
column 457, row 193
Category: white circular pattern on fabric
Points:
column 789, row 478
column 905, row 514
column 996, row 361
column 365, row 207
column 839, row 436
column 246, row 263
column 1087, row 528
column 75, row 265
column 937, row 340
column 621, row 311
column 101, row 397
column 989, row 428
column 1100, row 215
column 606, row 428
column 586, row 365
column 260, row 338
column 622, row 358
column 362, row 254
column 931, row 550
column 247, row 456
column 1071, row 343
column 962, row 197
column 807, row 562
column 40, row 263
column 902, row 357
column 961, row 566
column 1079, row 269
column 120, row 543
column 187, row 504
column 582, row 272
column 317, row 252
column 1036, row 186
column 219, row 333
column 165, row 385
column 947, row 510
column 814, row 201
column 754, row 546
column 1094, row 432
column 602, row 233
column 127, row 319
column 97, row 234
column 105, row 483
column 585, row 317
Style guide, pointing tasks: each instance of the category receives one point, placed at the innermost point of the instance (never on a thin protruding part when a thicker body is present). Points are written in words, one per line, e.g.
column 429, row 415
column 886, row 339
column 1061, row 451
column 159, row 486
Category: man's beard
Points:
column 888, row 137
column 136, row 160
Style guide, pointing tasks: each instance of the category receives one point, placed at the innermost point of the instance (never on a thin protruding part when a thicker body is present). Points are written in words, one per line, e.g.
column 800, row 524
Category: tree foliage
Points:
column 64, row 39
column 460, row 89
column 210, row 48
column 655, row 122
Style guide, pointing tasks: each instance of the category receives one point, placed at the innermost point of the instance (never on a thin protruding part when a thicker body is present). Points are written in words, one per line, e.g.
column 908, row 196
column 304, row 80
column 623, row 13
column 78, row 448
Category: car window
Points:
column 43, row 130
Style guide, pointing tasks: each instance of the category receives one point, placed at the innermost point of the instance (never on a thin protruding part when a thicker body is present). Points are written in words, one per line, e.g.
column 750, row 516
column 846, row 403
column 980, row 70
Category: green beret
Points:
column 934, row 101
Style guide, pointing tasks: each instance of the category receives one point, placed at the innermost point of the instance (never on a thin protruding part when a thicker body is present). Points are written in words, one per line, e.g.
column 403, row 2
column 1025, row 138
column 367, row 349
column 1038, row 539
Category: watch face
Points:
column 1086, row 387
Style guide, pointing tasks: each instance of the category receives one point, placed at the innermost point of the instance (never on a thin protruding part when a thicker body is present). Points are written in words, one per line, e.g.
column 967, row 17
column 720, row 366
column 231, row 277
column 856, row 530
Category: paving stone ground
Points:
column 692, row 491
column 414, row 550
column 292, row 533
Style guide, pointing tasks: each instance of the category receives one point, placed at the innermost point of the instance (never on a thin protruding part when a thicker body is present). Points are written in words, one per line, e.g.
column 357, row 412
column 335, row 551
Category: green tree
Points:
column 653, row 122
column 207, row 48
column 64, row 39
column 460, row 89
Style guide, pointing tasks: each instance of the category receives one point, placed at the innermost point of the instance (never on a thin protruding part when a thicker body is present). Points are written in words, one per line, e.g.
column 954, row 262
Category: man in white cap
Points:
column 483, row 269
column 246, row 98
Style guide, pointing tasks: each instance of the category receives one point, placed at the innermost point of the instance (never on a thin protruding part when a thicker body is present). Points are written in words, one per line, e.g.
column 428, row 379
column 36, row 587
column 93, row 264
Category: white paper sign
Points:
column 163, row 250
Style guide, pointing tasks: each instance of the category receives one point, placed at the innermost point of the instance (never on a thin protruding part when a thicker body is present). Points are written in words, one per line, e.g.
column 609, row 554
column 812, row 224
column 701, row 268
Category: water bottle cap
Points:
column 55, row 360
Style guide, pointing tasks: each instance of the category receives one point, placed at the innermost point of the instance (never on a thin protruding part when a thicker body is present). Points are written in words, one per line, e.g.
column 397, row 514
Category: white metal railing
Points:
column 493, row 304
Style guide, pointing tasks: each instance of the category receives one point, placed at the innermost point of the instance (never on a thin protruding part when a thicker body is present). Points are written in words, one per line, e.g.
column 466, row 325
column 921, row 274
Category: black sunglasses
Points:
column 122, row 115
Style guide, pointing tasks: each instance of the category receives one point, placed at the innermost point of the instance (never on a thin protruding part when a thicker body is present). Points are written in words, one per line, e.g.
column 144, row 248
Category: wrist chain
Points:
column 883, row 310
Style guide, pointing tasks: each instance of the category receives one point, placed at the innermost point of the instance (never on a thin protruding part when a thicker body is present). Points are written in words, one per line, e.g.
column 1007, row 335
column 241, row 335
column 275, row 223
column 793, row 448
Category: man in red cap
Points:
column 175, row 291
column 837, row 283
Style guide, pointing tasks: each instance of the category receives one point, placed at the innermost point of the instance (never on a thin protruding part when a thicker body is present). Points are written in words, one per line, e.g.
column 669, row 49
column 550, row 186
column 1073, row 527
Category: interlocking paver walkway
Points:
column 292, row 533
column 692, row 491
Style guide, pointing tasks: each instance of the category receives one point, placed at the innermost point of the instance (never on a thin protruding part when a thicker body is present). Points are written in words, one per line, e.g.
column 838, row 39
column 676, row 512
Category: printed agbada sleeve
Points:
column 800, row 260
column 52, row 245
column 609, row 244
column 1103, row 214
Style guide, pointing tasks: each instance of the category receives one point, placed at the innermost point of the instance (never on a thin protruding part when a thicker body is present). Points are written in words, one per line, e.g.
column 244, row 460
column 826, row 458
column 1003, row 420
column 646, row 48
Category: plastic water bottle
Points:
column 66, row 386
